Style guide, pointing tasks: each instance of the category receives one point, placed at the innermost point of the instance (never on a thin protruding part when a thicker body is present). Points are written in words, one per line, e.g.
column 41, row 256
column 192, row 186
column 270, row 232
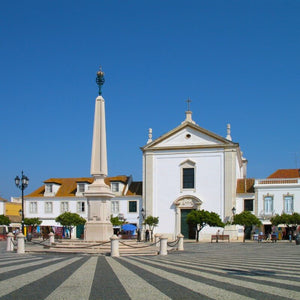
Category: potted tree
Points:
column 4, row 220
column 246, row 218
column 70, row 220
column 32, row 223
column 200, row 218
column 151, row 222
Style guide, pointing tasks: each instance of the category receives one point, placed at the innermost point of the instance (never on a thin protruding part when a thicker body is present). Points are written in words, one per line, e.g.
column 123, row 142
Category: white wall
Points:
column 56, row 208
column 130, row 217
column 278, row 194
column 209, row 178
column 2, row 207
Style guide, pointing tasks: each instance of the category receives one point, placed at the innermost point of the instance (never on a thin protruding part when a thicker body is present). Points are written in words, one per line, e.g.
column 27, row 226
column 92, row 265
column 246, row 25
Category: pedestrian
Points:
column 138, row 235
column 147, row 235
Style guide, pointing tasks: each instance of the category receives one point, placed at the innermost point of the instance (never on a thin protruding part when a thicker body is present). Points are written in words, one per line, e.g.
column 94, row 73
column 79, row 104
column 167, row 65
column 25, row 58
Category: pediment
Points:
column 188, row 135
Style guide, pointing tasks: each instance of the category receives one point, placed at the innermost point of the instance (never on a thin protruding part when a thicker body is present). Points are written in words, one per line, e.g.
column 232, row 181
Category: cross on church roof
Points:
column 188, row 101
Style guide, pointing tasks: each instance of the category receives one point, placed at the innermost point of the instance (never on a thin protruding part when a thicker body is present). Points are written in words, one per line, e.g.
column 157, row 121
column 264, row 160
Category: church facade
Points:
column 190, row 168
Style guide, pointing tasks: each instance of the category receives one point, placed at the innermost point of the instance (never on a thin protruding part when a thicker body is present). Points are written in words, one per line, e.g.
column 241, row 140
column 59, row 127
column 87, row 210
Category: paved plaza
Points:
column 203, row 271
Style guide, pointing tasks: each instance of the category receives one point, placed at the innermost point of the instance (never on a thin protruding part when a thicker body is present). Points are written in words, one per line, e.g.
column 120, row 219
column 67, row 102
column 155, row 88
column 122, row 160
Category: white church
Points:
column 190, row 168
column 185, row 169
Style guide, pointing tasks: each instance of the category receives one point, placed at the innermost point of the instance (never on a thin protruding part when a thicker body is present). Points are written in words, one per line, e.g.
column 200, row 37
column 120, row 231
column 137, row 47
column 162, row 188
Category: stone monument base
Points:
column 236, row 232
column 96, row 231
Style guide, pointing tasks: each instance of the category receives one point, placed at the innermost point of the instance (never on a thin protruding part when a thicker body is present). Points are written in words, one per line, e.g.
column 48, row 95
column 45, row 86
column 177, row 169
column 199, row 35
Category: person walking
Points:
column 147, row 235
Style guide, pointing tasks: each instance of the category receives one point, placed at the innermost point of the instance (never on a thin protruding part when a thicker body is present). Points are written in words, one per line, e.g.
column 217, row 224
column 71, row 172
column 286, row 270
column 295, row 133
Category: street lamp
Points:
column 233, row 211
column 22, row 185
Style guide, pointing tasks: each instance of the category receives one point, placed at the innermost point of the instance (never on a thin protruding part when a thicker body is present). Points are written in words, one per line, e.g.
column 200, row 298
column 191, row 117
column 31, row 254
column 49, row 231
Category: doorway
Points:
column 187, row 230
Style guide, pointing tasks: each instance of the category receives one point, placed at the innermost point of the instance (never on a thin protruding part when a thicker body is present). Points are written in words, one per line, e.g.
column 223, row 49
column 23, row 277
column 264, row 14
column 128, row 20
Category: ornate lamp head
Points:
column 100, row 79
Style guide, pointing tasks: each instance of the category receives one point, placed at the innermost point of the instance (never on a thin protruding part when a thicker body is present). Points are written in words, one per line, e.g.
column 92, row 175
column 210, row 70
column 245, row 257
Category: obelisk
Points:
column 98, row 227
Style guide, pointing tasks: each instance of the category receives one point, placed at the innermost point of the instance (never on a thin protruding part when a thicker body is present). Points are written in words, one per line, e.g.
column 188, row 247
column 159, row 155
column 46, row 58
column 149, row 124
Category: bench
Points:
column 264, row 237
column 261, row 237
column 220, row 237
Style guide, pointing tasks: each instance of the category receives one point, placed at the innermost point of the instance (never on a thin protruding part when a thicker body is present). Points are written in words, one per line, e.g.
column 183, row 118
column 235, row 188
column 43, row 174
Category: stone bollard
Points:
column 180, row 242
column 114, row 246
column 51, row 238
column 157, row 239
column 21, row 243
column 163, row 245
column 10, row 245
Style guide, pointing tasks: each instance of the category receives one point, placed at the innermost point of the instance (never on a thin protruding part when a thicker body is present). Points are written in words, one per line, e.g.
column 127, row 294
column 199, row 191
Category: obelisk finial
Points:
column 100, row 79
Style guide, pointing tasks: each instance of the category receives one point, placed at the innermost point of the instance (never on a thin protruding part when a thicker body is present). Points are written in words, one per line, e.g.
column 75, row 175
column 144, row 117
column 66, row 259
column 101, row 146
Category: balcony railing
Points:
column 278, row 181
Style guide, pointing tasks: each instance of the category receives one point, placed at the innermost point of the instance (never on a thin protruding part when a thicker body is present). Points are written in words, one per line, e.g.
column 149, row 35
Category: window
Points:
column 132, row 206
column 49, row 188
column 268, row 205
column 248, row 204
column 33, row 207
column 115, row 186
column 81, row 206
column 48, row 207
column 114, row 207
column 81, row 187
column 188, row 178
column 64, row 206
column 288, row 204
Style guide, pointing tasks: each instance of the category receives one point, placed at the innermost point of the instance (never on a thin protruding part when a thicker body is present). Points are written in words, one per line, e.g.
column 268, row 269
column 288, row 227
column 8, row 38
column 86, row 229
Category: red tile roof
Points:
column 245, row 185
column 68, row 186
column 135, row 188
column 286, row 173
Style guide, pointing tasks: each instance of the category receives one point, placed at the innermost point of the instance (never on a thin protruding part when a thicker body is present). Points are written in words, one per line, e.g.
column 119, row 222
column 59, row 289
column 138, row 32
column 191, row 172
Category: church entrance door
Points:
column 186, row 230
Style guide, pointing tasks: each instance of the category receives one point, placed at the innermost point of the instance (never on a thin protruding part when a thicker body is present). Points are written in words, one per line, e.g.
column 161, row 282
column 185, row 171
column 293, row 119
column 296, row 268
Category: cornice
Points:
column 223, row 146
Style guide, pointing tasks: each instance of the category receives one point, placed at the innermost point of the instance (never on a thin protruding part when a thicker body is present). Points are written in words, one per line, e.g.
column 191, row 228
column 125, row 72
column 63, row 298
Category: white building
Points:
column 2, row 206
column 190, row 168
column 59, row 195
column 277, row 194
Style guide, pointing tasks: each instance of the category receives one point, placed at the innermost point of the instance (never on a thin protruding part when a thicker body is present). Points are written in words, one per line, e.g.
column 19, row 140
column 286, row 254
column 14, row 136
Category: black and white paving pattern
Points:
column 202, row 271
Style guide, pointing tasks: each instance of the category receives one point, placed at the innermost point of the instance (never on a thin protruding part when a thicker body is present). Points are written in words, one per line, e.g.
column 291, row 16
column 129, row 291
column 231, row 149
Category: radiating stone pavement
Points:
column 202, row 271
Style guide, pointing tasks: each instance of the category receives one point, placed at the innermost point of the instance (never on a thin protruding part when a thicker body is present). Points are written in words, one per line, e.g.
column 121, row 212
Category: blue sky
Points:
column 237, row 60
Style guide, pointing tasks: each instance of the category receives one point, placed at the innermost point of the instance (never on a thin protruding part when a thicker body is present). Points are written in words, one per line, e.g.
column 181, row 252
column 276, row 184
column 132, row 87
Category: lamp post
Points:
column 143, row 213
column 22, row 185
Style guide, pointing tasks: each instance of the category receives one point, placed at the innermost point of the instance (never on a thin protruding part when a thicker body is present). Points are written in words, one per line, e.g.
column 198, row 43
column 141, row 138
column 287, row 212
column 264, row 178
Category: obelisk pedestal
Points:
column 98, row 227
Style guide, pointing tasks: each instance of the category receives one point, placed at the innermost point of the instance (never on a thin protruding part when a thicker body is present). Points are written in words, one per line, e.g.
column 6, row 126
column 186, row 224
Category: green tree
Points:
column 246, row 218
column 70, row 220
column 287, row 220
column 4, row 220
column 32, row 222
column 151, row 222
column 200, row 218
column 281, row 219
column 293, row 219
column 115, row 221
